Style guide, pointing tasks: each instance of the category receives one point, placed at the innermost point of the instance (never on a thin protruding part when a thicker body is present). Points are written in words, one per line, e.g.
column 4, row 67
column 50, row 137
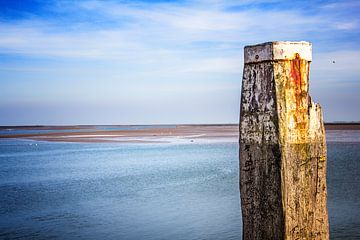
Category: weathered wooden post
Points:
column 282, row 146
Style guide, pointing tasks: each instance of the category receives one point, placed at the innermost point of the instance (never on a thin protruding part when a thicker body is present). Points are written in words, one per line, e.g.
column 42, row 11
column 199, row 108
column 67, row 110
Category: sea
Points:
column 57, row 190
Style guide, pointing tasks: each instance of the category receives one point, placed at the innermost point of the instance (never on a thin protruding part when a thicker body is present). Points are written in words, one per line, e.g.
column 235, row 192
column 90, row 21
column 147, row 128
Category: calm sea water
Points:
column 149, row 191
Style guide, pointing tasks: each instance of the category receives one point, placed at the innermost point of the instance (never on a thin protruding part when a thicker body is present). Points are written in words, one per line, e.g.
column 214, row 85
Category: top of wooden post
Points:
column 271, row 51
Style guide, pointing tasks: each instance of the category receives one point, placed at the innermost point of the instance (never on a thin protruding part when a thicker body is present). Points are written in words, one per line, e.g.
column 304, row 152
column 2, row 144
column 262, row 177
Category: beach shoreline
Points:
column 136, row 133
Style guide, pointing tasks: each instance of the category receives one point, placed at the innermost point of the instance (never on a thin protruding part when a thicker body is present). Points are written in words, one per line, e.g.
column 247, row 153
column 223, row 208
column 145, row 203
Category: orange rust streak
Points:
column 295, row 71
column 295, row 76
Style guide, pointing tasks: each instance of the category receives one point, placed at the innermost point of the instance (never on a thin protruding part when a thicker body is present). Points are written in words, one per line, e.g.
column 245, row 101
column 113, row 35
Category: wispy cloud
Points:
column 157, row 28
column 342, row 4
column 346, row 25
column 164, row 46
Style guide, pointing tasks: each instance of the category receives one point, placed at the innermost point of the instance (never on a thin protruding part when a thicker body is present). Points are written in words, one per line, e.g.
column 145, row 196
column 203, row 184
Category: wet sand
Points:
column 155, row 134
column 183, row 133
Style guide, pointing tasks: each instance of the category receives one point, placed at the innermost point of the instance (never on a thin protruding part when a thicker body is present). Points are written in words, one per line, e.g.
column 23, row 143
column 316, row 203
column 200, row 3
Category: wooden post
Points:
column 282, row 146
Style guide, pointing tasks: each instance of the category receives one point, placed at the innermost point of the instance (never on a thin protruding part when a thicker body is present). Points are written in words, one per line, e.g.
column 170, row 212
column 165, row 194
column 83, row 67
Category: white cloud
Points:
column 342, row 4
column 140, row 33
column 162, row 51
column 161, row 37
column 213, row 65
column 346, row 25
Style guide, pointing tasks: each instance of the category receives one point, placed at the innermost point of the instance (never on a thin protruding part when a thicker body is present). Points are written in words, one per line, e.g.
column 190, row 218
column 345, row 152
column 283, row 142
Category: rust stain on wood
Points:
column 282, row 146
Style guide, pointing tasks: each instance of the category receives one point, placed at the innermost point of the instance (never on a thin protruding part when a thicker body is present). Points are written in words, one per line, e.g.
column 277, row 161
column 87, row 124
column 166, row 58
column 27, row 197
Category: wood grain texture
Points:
column 282, row 150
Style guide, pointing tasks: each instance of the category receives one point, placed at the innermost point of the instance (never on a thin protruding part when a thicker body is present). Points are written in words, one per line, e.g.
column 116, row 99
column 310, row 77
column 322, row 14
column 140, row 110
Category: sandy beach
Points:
column 162, row 134
column 137, row 134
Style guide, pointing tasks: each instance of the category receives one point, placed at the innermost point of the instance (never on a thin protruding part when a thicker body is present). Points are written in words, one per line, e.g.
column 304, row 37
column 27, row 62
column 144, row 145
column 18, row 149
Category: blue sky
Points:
column 153, row 62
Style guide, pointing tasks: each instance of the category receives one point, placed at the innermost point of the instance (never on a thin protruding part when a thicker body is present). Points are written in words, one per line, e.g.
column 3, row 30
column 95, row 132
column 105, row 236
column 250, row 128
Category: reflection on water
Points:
column 149, row 191
column 343, row 136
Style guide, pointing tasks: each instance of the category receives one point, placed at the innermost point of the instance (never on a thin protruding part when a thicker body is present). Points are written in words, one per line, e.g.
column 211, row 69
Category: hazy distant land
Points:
column 137, row 134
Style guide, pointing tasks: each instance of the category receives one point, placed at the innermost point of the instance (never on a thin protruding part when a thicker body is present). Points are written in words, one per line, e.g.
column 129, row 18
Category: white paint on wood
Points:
column 272, row 51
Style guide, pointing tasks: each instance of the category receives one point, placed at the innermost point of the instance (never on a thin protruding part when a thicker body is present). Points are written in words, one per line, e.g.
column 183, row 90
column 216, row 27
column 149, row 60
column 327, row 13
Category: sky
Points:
column 163, row 62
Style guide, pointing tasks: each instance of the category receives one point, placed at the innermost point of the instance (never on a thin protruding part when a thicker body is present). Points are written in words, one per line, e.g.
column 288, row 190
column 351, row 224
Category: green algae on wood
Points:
column 282, row 146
